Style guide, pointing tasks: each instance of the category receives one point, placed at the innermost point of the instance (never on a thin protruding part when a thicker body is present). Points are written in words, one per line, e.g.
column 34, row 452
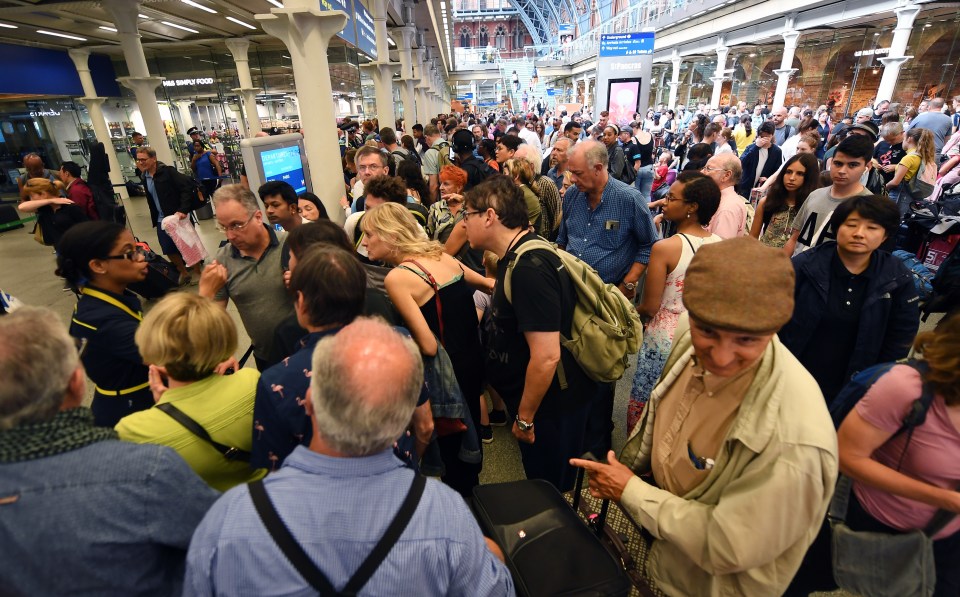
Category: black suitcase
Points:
column 9, row 217
column 548, row 548
column 162, row 277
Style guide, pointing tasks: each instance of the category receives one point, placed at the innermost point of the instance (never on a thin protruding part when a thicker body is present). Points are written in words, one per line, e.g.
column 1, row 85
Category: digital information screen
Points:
column 284, row 164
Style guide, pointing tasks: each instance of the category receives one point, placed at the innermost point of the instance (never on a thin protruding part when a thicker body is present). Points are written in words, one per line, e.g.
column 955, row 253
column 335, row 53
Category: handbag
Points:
column 228, row 452
column 919, row 189
column 882, row 564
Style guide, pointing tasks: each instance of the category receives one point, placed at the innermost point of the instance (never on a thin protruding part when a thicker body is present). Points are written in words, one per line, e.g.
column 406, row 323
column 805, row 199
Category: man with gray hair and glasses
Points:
column 339, row 504
column 248, row 269
column 81, row 512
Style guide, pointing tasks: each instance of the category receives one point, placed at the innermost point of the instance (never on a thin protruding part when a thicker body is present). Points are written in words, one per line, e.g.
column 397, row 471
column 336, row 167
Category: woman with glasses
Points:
column 691, row 202
column 99, row 260
column 432, row 292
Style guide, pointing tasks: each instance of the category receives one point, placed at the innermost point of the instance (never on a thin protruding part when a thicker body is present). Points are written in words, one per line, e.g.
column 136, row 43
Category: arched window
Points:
column 501, row 38
column 482, row 39
column 517, row 37
column 465, row 38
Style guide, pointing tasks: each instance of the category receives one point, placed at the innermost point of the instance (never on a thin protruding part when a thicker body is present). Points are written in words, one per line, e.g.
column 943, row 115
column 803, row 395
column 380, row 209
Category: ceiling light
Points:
column 143, row 16
column 285, row 56
column 391, row 42
column 200, row 6
column 110, row 29
column 55, row 34
column 207, row 61
column 5, row 26
column 239, row 22
column 276, row 3
column 175, row 26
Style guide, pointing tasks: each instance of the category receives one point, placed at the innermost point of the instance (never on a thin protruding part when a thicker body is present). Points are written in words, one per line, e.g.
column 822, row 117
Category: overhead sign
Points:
column 465, row 96
column 626, row 44
column 366, row 36
column 874, row 52
column 187, row 82
column 349, row 32
column 551, row 92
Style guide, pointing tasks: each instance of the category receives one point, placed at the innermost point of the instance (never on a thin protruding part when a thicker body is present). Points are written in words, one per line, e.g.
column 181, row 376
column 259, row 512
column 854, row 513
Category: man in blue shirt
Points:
column 338, row 496
column 607, row 224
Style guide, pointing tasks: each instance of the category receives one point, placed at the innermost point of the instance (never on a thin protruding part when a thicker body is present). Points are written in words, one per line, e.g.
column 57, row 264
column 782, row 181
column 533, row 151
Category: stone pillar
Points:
column 675, row 79
column 423, row 109
column 306, row 31
column 719, row 75
column 790, row 37
column 239, row 48
column 144, row 87
column 906, row 14
column 405, row 37
column 94, row 108
column 186, row 117
column 382, row 69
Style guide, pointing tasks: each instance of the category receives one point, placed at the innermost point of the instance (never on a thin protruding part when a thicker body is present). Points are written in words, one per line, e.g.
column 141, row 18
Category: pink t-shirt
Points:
column 933, row 455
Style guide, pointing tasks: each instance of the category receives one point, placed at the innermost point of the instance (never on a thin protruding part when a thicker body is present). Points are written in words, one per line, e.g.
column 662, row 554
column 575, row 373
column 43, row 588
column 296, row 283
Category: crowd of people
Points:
column 755, row 245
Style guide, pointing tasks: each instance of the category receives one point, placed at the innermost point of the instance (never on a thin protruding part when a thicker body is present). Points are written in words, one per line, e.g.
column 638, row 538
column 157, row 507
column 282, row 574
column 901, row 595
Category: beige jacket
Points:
column 746, row 528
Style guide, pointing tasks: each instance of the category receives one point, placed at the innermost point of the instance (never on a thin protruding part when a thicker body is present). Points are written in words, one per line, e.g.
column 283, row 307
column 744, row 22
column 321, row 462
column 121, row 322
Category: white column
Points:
column 906, row 14
column 790, row 37
column 382, row 68
column 423, row 109
column 239, row 48
column 405, row 36
column 93, row 103
column 186, row 117
column 306, row 30
column 675, row 79
column 719, row 75
column 144, row 87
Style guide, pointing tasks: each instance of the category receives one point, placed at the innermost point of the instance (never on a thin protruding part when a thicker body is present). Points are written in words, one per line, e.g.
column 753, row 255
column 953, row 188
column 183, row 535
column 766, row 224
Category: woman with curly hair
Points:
column 432, row 292
column 901, row 480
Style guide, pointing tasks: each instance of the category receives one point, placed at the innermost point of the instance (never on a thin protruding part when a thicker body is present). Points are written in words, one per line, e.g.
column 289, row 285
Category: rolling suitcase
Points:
column 9, row 217
column 548, row 548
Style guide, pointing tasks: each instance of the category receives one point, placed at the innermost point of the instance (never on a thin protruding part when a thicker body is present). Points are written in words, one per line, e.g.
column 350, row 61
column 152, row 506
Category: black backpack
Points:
column 477, row 172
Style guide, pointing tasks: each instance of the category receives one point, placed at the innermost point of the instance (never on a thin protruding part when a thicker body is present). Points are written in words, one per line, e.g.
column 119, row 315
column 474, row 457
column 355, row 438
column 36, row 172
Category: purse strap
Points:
column 315, row 577
column 428, row 278
column 230, row 453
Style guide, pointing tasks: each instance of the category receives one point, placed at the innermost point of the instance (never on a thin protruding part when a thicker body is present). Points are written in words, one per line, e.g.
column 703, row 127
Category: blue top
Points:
column 612, row 237
column 338, row 509
column 205, row 169
column 555, row 177
column 152, row 193
column 280, row 420
column 110, row 518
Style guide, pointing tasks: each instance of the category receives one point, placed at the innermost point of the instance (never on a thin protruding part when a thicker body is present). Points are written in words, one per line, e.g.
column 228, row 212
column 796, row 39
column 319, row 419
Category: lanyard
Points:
column 109, row 299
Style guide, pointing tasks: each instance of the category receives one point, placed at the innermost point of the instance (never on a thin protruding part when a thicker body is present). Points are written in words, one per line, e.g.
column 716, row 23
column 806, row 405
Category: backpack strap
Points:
column 294, row 553
column 230, row 453
column 428, row 278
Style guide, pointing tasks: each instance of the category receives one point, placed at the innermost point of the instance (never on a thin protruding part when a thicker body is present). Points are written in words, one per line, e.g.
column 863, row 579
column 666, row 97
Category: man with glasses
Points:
column 370, row 162
column 248, row 269
column 730, row 221
column 168, row 193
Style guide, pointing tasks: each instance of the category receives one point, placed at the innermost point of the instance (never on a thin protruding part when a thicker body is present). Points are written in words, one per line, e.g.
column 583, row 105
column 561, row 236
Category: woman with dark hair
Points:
column 407, row 142
column 311, row 208
column 690, row 203
column 488, row 153
column 412, row 177
column 855, row 306
column 697, row 157
column 99, row 260
column 900, row 481
column 799, row 176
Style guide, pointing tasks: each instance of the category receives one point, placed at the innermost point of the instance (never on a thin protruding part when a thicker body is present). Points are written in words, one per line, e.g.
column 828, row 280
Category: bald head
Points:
column 778, row 115
column 724, row 169
column 365, row 384
column 33, row 164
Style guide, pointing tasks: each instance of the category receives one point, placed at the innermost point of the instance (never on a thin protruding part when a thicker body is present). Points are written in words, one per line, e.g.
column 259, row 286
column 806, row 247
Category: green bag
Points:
column 606, row 327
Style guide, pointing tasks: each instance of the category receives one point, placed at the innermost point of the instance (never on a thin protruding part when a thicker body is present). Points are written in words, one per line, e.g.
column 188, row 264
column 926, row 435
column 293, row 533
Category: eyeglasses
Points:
column 235, row 227
column 143, row 160
column 709, row 169
column 467, row 214
column 134, row 254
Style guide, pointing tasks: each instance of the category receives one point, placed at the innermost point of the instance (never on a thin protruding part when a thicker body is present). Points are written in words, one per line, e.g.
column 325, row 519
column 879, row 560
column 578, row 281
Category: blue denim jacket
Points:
column 111, row 518
column 446, row 400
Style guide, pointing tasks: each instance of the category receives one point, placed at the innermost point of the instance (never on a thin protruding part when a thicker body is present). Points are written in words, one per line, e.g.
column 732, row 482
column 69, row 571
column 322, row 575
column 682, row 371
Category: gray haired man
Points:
column 81, row 512
column 338, row 497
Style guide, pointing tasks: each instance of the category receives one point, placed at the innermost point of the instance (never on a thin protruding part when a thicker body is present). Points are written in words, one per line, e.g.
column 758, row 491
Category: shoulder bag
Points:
column 195, row 428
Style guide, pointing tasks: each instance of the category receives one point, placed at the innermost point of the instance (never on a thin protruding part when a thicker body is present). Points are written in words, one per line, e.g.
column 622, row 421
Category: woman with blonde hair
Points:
column 207, row 418
column 432, row 292
column 521, row 173
column 919, row 161
column 55, row 214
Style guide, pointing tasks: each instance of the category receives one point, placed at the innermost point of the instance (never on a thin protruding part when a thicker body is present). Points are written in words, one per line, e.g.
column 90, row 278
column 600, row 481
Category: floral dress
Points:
column 658, row 334
column 778, row 230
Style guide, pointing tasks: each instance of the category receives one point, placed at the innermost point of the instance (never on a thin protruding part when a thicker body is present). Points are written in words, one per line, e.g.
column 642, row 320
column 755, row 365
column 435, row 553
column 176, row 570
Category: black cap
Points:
column 868, row 126
column 192, row 130
column 462, row 141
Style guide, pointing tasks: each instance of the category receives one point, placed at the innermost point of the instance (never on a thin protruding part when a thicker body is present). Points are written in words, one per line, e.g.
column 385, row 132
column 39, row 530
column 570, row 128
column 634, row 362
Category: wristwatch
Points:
column 523, row 425
column 630, row 285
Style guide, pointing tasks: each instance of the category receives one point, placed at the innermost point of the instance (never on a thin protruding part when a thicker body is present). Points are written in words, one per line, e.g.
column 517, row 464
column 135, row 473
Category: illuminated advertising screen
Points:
column 623, row 100
column 284, row 164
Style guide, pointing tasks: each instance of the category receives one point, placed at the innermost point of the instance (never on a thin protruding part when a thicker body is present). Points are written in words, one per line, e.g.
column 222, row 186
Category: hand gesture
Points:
column 157, row 378
column 607, row 481
column 213, row 278
column 61, row 201
column 231, row 365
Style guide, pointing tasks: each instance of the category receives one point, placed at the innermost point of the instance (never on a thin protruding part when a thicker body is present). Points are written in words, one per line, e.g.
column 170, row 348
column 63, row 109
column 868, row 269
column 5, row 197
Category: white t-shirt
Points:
column 350, row 227
column 813, row 217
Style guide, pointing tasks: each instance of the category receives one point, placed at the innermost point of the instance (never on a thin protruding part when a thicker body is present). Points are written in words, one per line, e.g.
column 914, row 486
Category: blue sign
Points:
column 487, row 104
column 366, row 36
column 626, row 44
column 465, row 96
column 285, row 164
column 551, row 92
column 348, row 33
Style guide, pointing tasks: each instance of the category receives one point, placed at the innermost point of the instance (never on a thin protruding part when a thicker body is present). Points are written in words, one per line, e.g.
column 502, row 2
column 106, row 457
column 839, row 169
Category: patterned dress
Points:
column 658, row 334
column 778, row 230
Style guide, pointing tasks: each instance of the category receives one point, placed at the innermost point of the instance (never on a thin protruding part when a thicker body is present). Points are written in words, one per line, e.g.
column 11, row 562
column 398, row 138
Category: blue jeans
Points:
column 644, row 181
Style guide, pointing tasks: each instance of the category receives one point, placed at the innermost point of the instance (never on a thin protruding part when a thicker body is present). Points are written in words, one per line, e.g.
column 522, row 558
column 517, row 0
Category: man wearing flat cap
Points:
column 733, row 463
